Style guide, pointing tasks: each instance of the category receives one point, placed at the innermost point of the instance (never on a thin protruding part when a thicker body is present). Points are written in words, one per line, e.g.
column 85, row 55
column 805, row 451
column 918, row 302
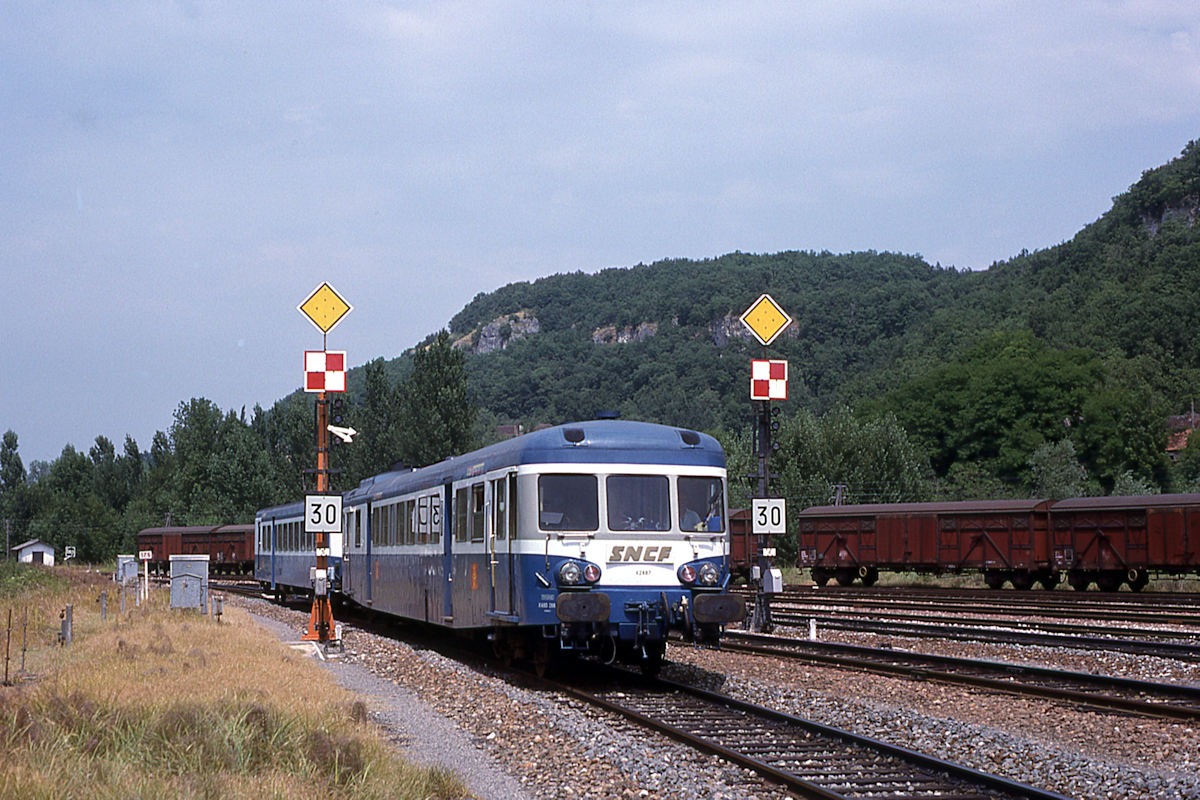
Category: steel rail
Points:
column 1174, row 701
column 808, row 758
column 1177, row 650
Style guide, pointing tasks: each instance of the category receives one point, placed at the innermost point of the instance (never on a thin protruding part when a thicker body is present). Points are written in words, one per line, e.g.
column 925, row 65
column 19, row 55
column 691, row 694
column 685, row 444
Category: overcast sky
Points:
column 175, row 178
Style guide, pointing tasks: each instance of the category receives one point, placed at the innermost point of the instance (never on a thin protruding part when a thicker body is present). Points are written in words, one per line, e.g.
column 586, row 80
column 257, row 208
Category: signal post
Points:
column 768, row 382
column 324, row 372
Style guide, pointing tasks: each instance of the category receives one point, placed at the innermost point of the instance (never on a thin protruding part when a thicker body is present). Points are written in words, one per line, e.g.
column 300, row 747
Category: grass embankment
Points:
column 164, row 704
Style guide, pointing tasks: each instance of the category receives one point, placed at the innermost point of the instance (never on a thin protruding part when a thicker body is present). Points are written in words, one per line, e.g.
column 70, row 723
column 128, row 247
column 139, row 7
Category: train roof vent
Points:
column 690, row 438
column 574, row 435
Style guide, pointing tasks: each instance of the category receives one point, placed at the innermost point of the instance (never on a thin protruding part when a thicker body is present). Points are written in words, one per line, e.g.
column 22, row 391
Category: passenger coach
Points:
column 600, row 537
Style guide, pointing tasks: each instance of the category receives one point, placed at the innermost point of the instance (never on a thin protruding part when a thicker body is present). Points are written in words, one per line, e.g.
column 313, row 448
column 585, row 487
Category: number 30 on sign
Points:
column 767, row 516
column 322, row 513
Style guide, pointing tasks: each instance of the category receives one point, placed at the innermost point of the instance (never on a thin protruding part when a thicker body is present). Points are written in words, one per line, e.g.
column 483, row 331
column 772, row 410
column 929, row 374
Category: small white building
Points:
column 35, row 551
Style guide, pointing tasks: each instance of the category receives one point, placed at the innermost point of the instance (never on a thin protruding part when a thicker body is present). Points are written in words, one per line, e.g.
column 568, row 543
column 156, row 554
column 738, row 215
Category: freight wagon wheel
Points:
column 1137, row 579
column 845, row 576
column 820, row 576
column 868, row 575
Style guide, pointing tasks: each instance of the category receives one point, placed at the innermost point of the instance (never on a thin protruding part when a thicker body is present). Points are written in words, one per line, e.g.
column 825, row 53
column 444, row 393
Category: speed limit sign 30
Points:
column 322, row 513
column 767, row 516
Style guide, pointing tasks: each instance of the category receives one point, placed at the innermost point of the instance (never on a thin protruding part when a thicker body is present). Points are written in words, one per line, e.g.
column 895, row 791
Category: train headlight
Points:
column 709, row 575
column 687, row 574
column 570, row 573
column 591, row 573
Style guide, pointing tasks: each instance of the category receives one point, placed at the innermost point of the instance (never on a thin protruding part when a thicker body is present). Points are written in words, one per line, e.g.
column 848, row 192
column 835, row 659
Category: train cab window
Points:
column 701, row 504
column 477, row 510
column 639, row 503
column 568, row 503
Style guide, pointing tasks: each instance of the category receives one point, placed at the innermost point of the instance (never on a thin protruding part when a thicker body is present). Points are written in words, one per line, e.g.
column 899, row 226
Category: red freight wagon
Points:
column 1004, row 539
column 1115, row 540
column 230, row 548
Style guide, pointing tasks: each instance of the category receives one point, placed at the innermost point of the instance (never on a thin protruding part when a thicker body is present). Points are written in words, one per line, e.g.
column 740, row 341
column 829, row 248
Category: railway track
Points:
column 998, row 632
column 1173, row 701
column 1143, row 609
column 809, row 759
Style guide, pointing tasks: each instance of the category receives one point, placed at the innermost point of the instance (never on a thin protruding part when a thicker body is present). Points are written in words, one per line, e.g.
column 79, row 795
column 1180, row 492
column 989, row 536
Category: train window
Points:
column 477, row 510
column 639, row 503
column 461, row 531
column 701, row 504
column 423, row 520
column 568, row 503
column 435, row 518
column 500, row 504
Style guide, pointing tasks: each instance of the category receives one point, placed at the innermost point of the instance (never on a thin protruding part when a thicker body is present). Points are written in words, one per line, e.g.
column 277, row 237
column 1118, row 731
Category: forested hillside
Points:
column 1050, row 374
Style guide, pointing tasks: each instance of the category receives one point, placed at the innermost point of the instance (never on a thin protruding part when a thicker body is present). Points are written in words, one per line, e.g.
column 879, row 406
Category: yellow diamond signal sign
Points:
column 325, row 308
column 765, row 319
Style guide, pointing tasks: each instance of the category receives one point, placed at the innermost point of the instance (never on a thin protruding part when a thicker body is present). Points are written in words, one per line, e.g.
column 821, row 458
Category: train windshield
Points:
column 639, row 503
column 701, row 504
column 568, row 503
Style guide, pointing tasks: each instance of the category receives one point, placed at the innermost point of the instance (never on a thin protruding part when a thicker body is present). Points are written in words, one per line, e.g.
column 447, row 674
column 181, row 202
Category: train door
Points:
column 499, row 534
column 349, row 524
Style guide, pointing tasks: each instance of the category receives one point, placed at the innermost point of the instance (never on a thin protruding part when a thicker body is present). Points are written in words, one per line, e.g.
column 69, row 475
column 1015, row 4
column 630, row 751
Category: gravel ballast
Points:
column 510, row 742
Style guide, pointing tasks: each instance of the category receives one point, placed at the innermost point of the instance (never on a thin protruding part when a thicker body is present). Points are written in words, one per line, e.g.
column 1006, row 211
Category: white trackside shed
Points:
column 35, row 551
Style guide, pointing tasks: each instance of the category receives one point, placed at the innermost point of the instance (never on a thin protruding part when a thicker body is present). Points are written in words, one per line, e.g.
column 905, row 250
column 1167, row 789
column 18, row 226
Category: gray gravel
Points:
column 507, row 741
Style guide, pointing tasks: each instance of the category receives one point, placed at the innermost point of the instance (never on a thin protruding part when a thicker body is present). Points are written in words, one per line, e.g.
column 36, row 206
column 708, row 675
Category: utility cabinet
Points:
column 189, row 581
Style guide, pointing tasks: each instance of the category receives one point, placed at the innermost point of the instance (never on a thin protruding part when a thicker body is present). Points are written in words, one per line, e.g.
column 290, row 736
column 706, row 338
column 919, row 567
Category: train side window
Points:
column 477, row 510
column 701, row 504
column 435, row 518
column 423, row 520
column 461, row 531
column 500, row 507
column 639, row 503
column 568, row 503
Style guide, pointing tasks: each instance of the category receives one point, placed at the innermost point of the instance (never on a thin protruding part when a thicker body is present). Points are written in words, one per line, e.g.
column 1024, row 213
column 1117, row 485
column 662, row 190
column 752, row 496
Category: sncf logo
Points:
column 653, row 554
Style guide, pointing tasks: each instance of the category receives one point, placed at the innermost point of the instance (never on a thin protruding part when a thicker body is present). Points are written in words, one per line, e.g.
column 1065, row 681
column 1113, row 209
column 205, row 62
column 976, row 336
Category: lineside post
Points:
column 320, row 620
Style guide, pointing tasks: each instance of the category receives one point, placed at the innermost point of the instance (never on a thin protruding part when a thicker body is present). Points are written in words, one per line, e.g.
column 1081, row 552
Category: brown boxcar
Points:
column 1004, row 539
column 1116, row 540
column 230, row 548
column 741, row 541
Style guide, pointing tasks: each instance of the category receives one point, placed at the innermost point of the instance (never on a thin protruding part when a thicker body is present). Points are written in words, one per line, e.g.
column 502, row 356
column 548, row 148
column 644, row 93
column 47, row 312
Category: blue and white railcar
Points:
column 602, row 537
column 285, row 554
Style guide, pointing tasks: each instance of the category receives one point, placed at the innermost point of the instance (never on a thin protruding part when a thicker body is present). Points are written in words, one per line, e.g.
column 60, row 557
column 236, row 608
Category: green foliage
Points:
column 1056, row 473
column 435, row 409
column 860, row 460
column 17, row 579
